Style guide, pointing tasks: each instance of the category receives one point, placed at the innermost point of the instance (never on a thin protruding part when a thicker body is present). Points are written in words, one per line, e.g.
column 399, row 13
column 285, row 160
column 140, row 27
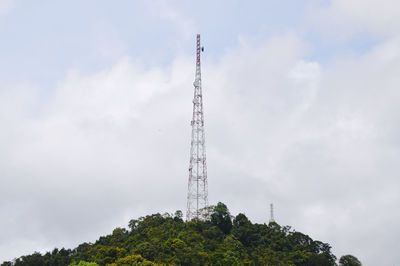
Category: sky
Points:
column 301, row 103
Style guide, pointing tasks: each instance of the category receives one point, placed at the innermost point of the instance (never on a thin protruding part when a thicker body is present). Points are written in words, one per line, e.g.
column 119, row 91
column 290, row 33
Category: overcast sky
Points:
column 301, row 109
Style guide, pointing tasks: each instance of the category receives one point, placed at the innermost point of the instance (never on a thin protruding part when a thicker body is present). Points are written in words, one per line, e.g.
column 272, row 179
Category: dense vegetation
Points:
column 166, row 239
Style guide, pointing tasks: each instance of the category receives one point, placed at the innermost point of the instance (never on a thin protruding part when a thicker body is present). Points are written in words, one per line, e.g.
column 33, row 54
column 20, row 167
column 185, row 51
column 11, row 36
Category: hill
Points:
column 167, row 239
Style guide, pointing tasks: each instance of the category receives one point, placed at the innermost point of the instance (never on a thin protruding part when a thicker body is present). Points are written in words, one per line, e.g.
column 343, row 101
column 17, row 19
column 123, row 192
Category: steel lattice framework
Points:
column 197, row 186
column 271, row 210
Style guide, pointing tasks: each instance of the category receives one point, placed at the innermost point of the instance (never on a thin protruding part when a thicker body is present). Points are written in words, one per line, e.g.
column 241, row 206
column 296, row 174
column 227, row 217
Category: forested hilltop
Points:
column 168, row 240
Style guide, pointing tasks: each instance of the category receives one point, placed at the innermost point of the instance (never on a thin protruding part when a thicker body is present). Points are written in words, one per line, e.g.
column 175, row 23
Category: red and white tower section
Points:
column 197, row 187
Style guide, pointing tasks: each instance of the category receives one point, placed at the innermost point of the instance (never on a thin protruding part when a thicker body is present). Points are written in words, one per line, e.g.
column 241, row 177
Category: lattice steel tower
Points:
column 197, row 186
column 271, row 209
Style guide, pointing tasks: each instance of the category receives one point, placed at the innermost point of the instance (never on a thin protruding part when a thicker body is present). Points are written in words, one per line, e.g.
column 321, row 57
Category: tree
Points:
column 349, row 260
column 178, row 216
column 146, row 250
column 241, row 220
column 36, row 259
column 83, row 263
column 177, row 249
column 244, row 230
column 168, row 240
column 81, row 253
column 132, row 260
column 320, row 260
column 103, row 255
column 222, row 218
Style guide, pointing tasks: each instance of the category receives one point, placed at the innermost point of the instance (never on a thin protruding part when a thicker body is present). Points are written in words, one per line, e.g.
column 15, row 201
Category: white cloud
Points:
column 170, row 13
column 321, row 143
column 344, row 18
column 6, row 6
column 90, row 151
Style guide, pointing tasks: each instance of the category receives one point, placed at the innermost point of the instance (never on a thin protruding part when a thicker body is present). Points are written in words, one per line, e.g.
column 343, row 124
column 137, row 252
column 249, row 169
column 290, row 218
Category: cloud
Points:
column 170, row 13
column 320, row 142
column 98, row 147
column 343, row 19
column 6, row 6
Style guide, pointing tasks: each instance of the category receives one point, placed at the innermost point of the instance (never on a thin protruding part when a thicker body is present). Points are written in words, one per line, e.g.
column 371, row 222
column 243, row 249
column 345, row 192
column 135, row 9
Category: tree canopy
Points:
column 167, row 240
column 349, row 260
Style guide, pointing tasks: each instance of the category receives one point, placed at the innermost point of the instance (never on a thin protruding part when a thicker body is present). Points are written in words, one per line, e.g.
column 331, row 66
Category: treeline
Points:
column 168, row 240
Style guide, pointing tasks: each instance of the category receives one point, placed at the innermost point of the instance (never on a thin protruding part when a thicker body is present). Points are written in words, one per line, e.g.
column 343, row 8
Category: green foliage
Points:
column 56, row 258
column 349, row 260
column 222, row 218
column 132, row 260
column 103, row 255
column 178, row 216
column 83, row 263
column 164, row 239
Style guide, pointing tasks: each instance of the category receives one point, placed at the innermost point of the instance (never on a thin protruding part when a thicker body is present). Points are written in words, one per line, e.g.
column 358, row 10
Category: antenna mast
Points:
column 271, row 220
column 197, row 185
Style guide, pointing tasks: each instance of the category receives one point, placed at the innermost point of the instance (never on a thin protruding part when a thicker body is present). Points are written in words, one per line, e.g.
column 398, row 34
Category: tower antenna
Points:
column 197, row 186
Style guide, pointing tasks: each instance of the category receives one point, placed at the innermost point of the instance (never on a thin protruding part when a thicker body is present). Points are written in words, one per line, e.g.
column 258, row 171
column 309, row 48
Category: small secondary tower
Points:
column 271, row 209
column 197, row 185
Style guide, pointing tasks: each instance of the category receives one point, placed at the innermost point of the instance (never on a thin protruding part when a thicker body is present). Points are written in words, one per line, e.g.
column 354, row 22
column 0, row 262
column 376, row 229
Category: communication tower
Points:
column 197, row 185
column 271, row 209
